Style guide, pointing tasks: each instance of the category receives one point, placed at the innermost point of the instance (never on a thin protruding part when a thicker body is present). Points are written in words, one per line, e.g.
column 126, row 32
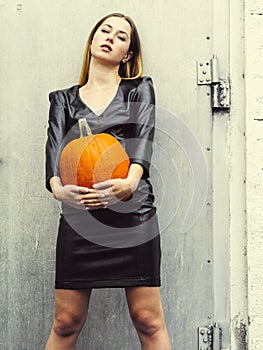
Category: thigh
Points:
column 144, row 299
column 72, row 302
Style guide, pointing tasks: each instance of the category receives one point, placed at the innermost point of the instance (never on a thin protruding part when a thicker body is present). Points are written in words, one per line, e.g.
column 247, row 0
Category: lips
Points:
column 108, row 47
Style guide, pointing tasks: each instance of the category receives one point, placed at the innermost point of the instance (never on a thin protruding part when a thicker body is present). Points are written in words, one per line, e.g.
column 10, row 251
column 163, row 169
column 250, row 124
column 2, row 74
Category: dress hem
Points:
column 153, row 282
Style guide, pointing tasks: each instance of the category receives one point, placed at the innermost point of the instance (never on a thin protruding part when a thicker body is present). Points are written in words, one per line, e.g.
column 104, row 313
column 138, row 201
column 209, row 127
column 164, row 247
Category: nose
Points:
column 110, row 38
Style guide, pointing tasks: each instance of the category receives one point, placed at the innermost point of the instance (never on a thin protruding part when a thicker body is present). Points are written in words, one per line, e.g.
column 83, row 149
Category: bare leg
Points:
column 147, row 316
column 70, row 316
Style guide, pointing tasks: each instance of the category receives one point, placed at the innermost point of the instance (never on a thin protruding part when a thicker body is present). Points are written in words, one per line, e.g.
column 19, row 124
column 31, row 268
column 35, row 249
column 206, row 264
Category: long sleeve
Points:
column 56, row 134
column 143, row 115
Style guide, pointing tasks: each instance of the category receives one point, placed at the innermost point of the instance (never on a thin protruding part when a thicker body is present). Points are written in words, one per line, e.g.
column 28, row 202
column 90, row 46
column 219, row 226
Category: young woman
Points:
column 105, row 239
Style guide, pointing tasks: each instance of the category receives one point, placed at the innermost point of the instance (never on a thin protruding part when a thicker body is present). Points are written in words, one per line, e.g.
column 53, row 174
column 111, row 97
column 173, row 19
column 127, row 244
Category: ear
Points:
column 127, row 57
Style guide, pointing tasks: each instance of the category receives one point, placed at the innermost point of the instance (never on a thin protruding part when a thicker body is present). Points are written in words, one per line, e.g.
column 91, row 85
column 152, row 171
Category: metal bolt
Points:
column 19, row 7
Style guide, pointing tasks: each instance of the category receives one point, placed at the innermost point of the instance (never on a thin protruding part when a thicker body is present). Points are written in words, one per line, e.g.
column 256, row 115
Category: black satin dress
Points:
column 118, row 246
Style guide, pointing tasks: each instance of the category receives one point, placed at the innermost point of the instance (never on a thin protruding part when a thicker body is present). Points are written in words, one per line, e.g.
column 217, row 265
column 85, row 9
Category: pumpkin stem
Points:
column 84, row 128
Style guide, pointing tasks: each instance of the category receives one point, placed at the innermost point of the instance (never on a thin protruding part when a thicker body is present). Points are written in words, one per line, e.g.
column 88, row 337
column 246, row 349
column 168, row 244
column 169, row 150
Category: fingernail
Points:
column 102, row 195
column 105, row 203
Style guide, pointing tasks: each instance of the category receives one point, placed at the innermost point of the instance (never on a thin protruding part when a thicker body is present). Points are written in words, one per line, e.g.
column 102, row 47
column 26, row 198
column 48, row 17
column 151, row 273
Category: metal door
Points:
column 43, row 47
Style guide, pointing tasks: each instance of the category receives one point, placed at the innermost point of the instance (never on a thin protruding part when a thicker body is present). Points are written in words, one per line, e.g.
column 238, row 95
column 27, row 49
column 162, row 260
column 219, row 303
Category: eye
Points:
column 105, row 31
column 121, row 38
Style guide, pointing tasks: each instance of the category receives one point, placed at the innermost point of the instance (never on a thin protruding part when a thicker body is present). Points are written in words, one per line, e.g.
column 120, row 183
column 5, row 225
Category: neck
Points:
column 102, row 76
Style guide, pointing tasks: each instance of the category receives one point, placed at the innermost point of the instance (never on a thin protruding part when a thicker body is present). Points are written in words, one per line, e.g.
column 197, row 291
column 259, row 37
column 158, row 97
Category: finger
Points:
column 96, row 204
column 90, row 197
column 103, row 195
column 90, row 201
column 72, row 188
column 84, row 190
column 102, row 185
column 91, row 206
column 105, row 192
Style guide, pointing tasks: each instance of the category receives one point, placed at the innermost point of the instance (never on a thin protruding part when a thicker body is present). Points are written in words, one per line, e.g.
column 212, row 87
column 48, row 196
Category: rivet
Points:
column 222, row 103
column 202, row 332
column 204, row 72
column 201, row 64
column 201, row 80
column 207, row 79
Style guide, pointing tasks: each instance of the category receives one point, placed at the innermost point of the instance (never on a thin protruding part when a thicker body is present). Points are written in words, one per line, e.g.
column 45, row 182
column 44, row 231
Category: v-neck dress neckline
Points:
column 107, row 107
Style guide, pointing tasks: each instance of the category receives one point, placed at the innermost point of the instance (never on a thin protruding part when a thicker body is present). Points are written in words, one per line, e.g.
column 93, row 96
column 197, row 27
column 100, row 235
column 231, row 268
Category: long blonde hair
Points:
column 130, row 70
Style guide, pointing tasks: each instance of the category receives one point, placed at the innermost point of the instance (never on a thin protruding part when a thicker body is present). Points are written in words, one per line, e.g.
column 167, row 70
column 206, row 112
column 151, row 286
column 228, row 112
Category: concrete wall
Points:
column 254, row 171
column 25, row 240
column 237, row 187
column 43, row 45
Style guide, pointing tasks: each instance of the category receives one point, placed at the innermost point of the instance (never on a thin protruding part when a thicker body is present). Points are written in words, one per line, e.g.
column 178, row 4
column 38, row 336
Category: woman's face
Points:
column 112, row 40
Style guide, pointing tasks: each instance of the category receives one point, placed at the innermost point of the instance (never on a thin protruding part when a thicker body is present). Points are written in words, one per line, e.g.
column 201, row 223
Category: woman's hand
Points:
column 76, row 196
column 112, row 191
column 115, row 190
column 79, row 197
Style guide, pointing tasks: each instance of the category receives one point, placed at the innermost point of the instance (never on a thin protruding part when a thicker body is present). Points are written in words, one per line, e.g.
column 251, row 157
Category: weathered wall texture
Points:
column 254, row 153
column 237, row 185
column 43, row 45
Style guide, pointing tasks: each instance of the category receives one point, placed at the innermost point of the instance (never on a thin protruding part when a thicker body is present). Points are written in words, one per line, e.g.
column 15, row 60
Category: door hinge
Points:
column 207, row 74
column 210, row 337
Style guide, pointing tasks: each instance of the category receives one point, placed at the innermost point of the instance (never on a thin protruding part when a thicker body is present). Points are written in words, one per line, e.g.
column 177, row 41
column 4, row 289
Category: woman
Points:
column 105, row 240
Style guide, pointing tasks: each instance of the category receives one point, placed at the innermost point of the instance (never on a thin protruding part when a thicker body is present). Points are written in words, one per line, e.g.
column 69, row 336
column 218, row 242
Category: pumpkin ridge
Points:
column 85, row 168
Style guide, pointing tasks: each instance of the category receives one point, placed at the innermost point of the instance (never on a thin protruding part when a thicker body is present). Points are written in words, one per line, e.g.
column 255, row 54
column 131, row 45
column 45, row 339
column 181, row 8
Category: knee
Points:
column 148, row 322
column 66, row 324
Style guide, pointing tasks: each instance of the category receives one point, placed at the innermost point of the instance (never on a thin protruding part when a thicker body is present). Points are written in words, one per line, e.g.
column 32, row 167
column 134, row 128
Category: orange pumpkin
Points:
column 92, row 158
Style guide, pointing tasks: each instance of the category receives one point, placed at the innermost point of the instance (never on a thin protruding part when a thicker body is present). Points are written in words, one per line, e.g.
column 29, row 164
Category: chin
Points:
column 104, row 58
